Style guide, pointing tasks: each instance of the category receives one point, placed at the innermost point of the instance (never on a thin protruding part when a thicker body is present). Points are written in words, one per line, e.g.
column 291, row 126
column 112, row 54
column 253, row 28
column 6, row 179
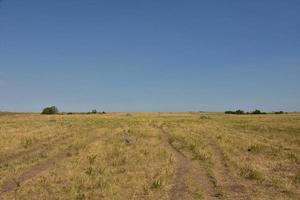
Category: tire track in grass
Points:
column 13, row 157
column 32, row 172
column 226, row 180
column 186, row 167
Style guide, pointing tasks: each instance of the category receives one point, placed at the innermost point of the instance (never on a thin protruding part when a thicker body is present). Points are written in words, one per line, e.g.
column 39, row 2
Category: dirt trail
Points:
column 232, row 187
column 32, row 172
column 43, row 146
column 185, row 167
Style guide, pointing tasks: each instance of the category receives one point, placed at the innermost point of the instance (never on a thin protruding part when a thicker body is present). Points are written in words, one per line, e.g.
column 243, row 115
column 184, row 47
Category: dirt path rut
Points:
column 36, row 148
column 32, row 172
column 185, row 167
column 232, row 187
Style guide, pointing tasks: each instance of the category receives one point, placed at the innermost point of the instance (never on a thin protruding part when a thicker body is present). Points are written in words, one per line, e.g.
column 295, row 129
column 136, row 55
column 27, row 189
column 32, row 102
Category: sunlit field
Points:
column 149, row 156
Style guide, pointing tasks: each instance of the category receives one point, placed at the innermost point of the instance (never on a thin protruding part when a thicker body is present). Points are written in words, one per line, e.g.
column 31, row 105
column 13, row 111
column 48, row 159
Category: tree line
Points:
column 255, row 112
column 54, row 110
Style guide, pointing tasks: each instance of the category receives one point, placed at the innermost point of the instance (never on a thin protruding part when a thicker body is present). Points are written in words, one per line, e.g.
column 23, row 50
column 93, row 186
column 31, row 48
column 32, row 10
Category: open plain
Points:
column 149, row 156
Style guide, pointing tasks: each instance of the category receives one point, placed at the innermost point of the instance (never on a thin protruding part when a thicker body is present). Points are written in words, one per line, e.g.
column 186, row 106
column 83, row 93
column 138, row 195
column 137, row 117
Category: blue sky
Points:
column 139, row 55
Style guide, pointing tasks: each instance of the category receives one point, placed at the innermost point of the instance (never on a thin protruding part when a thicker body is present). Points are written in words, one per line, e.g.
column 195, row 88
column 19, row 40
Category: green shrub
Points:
column 241, row 112
column 279, row 112
column 237, row 112
column 50, row 110
column 257, row 112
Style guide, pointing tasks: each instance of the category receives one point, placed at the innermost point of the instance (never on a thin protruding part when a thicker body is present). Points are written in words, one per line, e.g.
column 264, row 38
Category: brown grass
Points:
column 243, row 157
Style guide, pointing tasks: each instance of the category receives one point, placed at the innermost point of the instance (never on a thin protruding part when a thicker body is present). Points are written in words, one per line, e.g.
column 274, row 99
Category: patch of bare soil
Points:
column 12, row 184
column 186, row 168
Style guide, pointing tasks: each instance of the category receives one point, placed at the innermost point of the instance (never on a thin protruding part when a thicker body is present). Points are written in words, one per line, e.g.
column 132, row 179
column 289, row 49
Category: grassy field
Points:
column 149, row 156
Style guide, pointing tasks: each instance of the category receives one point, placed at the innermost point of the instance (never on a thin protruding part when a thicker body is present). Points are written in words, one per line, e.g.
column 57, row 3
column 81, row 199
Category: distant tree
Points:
column 50, row 110
column 257, row 112
column 239, row 112
column 279, row 112
column 94, row 111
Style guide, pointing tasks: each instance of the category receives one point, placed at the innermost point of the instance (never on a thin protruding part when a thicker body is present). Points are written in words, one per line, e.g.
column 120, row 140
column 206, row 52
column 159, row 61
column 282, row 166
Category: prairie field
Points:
column 149, row 156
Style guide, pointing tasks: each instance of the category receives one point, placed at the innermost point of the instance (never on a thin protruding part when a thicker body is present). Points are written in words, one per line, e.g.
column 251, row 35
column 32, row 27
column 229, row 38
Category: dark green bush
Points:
column 279, row 112
column 257, row 112
column 50, row 110
column 241, row 112
column 237, row 112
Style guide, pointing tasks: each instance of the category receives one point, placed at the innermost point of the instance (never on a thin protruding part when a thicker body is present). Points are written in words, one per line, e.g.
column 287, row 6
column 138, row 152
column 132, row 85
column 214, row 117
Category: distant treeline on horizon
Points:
column 54, row 110
column 255, row 112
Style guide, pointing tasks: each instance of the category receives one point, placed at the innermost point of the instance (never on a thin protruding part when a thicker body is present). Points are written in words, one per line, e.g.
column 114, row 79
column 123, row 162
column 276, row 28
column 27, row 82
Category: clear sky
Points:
column 142, row 55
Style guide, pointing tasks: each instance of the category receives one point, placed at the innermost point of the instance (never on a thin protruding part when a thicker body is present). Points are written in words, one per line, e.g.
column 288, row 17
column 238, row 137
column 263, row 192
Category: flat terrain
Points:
column 149, row 156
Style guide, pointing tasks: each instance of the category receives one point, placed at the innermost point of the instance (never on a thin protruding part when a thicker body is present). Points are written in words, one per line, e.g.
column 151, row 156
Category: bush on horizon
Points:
column 241, row 112
column 257, row 112
column 50, row 110
column 237, row 112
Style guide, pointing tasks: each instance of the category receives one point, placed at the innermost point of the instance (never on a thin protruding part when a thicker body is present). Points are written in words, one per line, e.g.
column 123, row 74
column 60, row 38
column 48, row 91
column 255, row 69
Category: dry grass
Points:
column 262, row 152
column 122, row 156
